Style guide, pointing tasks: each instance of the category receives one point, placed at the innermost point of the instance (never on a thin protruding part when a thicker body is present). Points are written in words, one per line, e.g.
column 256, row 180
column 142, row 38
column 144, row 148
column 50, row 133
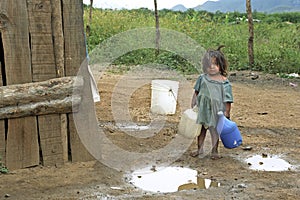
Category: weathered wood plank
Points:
column 78, row 150
column 1, row 81
column 43, row 61
column 3, row 16
column 40, row 40
column 75, row 54
column 42, row 34
column 75, row 51
column 2, row 142
column 42, row 57
column 2, row 127
column 42, row 49
column 39, row 6
column 16, row 44
column 53, row 139
column 58, row 37
column 22, row 148
column 42, row 71
column 58, row 43
column 39, row 22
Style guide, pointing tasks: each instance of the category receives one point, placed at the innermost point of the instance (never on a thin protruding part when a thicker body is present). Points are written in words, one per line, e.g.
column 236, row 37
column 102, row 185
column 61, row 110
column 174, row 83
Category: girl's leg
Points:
column 200, row 142
column 215, row 143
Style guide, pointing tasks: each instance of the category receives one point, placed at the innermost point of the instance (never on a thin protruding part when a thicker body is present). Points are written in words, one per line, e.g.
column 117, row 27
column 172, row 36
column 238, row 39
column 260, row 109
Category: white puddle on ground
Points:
column 133, row 127
column 268, row 163
column 169, row 179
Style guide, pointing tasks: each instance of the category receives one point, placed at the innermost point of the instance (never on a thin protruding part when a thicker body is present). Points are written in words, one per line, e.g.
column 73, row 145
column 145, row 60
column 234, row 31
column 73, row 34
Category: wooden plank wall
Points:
column 42, row 39
column 22, row 148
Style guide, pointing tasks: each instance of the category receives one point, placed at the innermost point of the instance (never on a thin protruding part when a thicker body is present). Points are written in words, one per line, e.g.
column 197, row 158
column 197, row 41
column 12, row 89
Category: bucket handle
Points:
column 169, row 89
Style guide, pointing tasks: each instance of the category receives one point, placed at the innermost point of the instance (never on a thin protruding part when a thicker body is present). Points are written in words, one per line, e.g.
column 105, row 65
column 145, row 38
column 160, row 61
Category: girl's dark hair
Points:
column 216, row 56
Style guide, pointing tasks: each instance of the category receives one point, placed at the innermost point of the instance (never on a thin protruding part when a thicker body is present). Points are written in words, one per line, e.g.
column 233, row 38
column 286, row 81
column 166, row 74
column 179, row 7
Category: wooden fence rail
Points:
column 60, row 95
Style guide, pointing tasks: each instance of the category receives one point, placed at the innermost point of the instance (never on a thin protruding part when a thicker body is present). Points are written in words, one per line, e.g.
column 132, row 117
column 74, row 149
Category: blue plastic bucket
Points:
column 229, row 132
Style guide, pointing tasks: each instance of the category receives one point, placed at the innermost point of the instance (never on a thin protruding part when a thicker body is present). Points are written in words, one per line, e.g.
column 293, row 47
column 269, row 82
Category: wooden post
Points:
column 75, row 55
column 251, row 34
column 22, row 149
column 157, row 41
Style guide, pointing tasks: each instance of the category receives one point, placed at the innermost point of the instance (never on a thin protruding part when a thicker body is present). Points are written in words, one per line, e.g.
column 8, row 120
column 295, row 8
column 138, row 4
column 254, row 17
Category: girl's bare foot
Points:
column 216, row 157
column 196, row 153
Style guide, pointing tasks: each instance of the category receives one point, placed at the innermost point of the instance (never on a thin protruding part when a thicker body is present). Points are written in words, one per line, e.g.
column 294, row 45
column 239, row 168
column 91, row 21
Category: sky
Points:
column 132, row 4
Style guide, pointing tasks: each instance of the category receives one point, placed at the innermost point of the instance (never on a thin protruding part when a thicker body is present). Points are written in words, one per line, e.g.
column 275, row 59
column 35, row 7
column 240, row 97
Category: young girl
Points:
column 214, row 94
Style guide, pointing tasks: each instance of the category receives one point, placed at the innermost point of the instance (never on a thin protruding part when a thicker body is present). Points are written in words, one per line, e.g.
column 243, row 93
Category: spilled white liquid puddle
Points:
column 268, row 163
column 133, row 127
column 170, row 179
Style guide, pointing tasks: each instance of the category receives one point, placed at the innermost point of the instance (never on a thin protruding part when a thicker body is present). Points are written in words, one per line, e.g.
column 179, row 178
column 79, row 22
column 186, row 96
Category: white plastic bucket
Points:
column 164, row 96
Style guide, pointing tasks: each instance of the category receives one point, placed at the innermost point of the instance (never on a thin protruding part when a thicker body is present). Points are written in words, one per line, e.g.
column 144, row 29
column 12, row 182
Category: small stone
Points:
column 235, row 190
column 116, row 188
column 7, row 195
column 153, row 168
column 254, row 76
column 264, row 155
column 242, row 185
column 247, row 148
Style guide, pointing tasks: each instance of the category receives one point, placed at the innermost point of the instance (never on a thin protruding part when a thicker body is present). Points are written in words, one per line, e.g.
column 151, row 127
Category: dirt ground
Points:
column 266, row 109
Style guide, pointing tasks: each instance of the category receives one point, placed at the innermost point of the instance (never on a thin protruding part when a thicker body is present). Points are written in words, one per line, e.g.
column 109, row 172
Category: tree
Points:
column 251, row 34
column 157, row 27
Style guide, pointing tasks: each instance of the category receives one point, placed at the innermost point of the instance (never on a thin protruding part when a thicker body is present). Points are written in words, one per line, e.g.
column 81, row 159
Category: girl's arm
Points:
column 194, row 99
column 227, row 109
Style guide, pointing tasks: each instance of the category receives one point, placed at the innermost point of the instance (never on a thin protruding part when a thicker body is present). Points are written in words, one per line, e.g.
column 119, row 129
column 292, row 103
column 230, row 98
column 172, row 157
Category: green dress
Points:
column 211, row 99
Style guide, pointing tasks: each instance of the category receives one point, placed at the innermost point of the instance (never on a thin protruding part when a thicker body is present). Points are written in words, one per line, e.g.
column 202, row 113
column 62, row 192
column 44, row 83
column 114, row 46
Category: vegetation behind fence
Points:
column 276, row 36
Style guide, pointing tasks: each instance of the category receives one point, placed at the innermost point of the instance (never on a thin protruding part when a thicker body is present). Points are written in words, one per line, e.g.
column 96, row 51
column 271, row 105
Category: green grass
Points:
column 3, row 169
column 276, row 43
